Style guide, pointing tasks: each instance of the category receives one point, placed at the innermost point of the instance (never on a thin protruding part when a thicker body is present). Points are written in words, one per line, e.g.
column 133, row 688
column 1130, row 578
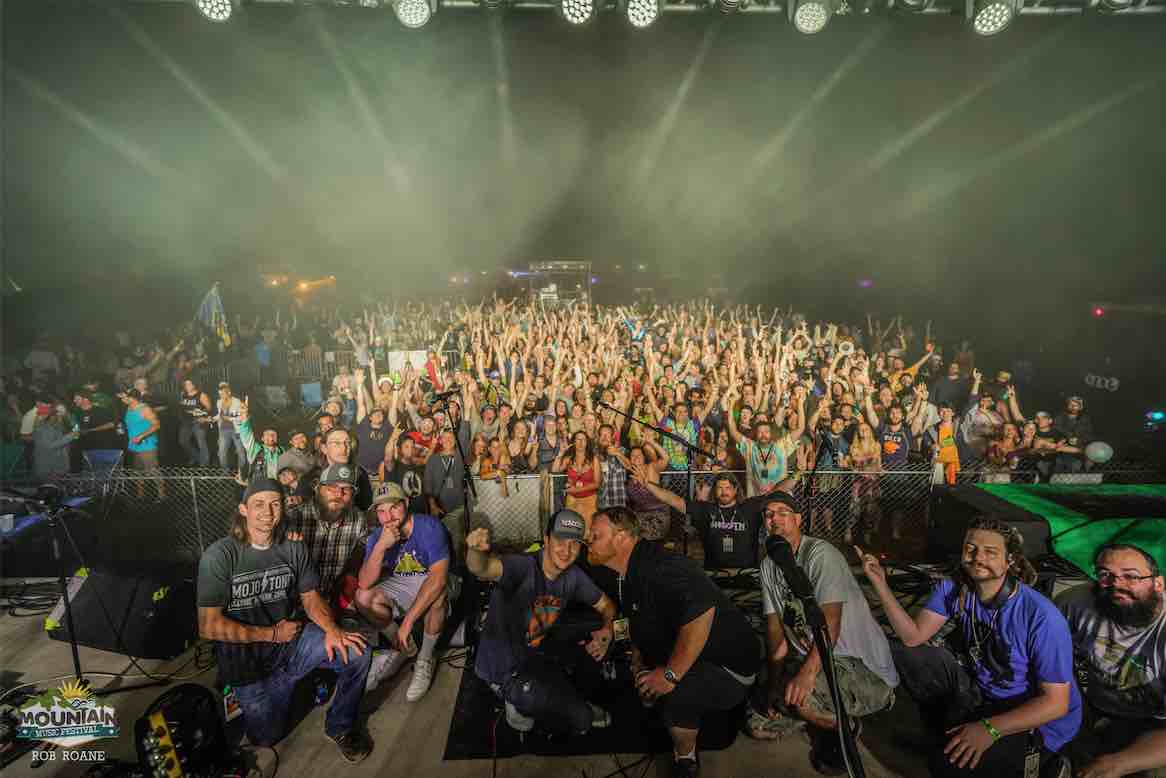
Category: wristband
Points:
column 995, row 733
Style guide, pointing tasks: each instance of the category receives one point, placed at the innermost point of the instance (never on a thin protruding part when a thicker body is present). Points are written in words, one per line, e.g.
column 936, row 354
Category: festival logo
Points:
column 69, row 716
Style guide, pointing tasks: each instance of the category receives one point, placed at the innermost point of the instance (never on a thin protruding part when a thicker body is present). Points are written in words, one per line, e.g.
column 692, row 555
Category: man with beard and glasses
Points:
column 1119, row 637
column 517, row 654
column 334, row 532
column 1001, row 692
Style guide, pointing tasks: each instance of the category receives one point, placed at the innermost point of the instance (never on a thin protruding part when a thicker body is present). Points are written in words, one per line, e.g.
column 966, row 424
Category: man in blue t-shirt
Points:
column 531, row 595
column 404, row 580
column 1014, row 671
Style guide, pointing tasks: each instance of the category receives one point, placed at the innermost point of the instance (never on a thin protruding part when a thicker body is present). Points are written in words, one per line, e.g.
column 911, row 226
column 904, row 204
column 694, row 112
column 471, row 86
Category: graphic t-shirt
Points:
column 257, row 587
column 370, row 445
column 425, row 547
column 409, row 478
column 1039, row 649
column 1124, row 666
column 731, row 535
column 523, row 608
column 829, row 573
column 895, row 445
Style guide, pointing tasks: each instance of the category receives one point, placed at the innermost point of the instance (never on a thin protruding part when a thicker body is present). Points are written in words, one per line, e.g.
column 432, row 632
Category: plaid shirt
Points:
column 330, row 546
column 613, row 488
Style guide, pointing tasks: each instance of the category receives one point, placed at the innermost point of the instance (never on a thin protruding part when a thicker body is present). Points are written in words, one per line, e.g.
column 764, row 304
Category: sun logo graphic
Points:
column 67, row 716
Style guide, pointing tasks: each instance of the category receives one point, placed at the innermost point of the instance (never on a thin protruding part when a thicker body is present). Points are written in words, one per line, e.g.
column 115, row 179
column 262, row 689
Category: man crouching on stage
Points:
column 250, row 587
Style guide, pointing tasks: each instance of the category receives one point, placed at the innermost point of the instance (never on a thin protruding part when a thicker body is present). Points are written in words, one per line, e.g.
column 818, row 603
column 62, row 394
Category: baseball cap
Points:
column 785, row 498
column 567, row 525
column 389, row 492
column 262, row 485
column 338, row 474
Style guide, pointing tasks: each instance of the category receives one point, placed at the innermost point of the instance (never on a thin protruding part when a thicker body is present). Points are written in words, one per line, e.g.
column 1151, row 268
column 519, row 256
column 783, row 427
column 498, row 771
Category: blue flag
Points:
column 211, row 313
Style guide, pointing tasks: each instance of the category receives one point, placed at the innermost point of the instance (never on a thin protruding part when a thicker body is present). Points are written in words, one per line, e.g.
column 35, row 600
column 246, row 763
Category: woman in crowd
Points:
column 582, row 468
column 655, row 517
column 51, row 437
column 520, row 449
column 866, row 457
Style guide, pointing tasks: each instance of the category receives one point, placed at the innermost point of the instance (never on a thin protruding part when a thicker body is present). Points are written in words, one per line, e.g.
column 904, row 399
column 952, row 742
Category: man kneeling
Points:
column 250, row 586
column 531, row 594
column 862, row 656
column 404, row 580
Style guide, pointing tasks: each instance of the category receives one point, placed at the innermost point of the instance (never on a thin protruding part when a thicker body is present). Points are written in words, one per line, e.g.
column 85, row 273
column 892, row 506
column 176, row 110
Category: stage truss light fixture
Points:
column 414, row 14
column 217, row 11
column 1114, row 6
column 728, row 6
column 990, row 17
column 578, row 12
column 810, row 16
column 640, row 14
column 914, row 6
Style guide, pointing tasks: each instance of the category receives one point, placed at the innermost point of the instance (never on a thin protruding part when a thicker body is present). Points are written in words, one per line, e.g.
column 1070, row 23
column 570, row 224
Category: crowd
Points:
column 346, row 549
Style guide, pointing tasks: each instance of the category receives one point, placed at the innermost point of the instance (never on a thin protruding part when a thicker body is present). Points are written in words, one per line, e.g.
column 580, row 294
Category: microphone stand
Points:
column 807, row 497
column 469, row 495
column 689, row 449
column 801, row 588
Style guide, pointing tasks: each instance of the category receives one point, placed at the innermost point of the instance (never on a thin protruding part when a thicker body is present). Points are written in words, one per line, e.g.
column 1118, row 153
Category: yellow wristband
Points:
column 995, row 733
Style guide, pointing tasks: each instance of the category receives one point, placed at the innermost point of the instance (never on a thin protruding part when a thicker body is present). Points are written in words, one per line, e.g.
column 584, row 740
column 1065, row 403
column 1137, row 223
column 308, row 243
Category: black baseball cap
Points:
column 567, row 525
column 785, row 498
column 264, row 484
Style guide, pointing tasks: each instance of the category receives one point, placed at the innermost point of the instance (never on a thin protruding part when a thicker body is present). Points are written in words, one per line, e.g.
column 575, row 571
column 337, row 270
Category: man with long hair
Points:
column 1119, row 638
column 254, row 589
column 1001, row 693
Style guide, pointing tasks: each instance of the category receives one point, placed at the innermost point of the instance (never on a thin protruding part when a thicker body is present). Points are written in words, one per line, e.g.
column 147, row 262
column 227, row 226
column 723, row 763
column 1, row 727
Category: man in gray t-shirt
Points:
column 796, row 685
column 1118, row 627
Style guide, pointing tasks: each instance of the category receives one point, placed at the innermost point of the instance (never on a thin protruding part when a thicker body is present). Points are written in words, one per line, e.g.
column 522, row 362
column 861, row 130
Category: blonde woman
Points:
column 866, row 457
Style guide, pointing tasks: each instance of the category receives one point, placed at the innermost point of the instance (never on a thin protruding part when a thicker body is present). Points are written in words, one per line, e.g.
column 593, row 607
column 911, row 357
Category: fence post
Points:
column 197, row 518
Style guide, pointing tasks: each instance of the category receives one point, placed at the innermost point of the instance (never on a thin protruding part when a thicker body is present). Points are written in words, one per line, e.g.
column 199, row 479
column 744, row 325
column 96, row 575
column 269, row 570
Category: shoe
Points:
column 517, row 721
column 384, row 664
column 600, row 719
column 422, row 679
column 826, row 752
column 1057, row 767
column 353, row 745
column 688, row 767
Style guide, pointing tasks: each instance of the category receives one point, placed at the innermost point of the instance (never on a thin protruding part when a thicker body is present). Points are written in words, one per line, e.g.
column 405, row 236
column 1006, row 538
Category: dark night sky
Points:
column 973, row 173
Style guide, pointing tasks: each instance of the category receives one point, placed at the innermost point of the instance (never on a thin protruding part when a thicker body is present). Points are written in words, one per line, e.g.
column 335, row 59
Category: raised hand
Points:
column 479, row 540
column 871, row 567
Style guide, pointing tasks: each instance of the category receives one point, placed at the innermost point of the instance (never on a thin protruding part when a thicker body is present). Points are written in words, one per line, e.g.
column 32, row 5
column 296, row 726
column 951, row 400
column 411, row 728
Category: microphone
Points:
column 781, row 553
column 433, row 397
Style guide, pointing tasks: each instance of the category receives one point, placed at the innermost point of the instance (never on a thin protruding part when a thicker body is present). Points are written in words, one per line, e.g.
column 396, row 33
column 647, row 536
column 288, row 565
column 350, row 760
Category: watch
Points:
column 670, row 676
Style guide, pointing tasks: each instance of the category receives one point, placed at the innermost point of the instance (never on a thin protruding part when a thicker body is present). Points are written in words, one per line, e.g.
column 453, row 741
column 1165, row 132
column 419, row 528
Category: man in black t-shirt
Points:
column 251, row 588
column 694, row 651
column 97, row 426
column 401, row 468
column 730, row 531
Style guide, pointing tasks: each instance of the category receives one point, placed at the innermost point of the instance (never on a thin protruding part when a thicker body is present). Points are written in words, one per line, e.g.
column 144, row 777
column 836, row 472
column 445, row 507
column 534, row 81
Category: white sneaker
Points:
column 384, row 664
column 422, row 679
column 517, row 721
column 600, row 719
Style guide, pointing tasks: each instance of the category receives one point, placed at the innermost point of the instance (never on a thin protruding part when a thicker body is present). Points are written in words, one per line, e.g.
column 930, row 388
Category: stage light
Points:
column 1113, row 6
column 1157, row 417
column 413, row 13
column 810, row 16
column 915, row 6
column 216, row 10
column 303, row 286
column 1098, row 312
column 865, row 283
column 728, row 6
column 640, row 13
column 992, row 16
column 577, row 12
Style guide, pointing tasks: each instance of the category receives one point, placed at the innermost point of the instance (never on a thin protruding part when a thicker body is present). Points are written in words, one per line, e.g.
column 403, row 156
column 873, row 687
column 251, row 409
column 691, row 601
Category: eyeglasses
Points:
column 1106, row 578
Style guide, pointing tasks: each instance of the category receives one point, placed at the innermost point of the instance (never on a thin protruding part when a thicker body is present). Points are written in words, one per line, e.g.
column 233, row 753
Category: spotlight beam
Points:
column 254, row 149
column 507, row 143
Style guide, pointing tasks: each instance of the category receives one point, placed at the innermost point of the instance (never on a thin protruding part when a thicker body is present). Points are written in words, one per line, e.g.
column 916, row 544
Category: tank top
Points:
column 584, row 478
column 136, row 424
column 191, row 407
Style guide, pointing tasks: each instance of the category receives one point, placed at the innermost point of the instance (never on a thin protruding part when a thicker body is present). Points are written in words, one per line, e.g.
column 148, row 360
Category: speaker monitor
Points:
column 144, row 617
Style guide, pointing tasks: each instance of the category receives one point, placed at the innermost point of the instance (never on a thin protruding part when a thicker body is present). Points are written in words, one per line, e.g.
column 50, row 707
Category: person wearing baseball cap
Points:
column 332, row 528
column 797, row 687
column 251, row 585
column 532, row 591
column 403, row 583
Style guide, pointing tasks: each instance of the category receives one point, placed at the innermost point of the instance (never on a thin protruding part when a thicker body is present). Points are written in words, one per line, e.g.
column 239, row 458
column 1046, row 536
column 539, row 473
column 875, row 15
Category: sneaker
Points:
column 826, row 752
column 687, row 767
column 600, row 719
column 353, row 745
column 384, row 664
column 1057, row 767
column 517, row 721
column 422, row 679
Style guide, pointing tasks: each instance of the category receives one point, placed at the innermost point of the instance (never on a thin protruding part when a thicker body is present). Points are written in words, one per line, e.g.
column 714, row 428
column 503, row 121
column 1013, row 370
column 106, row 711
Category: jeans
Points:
column 193, row 429
column 541, row 690
column 228, row 438
column 265, row 703
column 949, row 696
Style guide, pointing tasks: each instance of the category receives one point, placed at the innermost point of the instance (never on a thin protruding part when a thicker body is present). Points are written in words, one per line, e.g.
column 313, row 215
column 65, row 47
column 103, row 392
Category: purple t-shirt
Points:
column 1039, row 648
column 425, row 547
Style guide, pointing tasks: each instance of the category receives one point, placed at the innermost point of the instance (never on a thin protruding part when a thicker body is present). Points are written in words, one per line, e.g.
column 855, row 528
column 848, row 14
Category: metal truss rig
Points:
column 984, row 17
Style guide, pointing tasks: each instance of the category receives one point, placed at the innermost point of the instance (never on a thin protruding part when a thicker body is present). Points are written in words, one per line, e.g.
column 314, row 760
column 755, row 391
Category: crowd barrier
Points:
column 197, row 505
